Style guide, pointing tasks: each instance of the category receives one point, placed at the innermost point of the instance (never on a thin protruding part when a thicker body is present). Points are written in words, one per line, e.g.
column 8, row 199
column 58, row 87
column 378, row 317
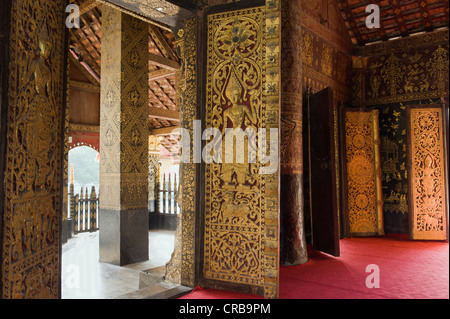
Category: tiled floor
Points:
column 84, row 277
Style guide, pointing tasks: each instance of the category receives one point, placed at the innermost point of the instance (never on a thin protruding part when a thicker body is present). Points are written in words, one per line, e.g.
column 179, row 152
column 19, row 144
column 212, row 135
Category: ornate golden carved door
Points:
column 427, row 173
column 241, row 210
column 32, row 148
column 363, row 203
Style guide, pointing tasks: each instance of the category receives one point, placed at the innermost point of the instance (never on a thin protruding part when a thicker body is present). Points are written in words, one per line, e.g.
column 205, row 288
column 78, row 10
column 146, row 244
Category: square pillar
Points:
column 123, row 203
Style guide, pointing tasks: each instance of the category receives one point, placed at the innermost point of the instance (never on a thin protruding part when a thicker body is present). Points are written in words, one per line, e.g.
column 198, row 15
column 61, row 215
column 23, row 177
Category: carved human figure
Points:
column 39, row 122
column 242, row 117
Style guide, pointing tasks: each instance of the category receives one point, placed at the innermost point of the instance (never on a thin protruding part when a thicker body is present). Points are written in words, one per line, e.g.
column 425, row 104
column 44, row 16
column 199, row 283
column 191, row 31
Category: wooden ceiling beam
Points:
column 164, row 114
column 92, row 38
column 85, row 47
column 161, row 43
column 160, row 74
column 84, row 68
column 170, row 130
column 87, row 6
column 163, row 62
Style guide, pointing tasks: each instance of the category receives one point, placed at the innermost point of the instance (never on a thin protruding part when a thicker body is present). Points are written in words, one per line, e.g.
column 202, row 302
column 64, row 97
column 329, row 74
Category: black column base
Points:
column 123, row 236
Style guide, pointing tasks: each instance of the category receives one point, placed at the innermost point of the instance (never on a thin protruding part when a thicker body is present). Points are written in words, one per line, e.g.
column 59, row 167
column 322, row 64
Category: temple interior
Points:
column 277, row 149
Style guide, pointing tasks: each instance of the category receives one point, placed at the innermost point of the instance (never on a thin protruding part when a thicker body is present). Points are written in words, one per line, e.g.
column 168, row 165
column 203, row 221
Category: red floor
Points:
column 408, row 270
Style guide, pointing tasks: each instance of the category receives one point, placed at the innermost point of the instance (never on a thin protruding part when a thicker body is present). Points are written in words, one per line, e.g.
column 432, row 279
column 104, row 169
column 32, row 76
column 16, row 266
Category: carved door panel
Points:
column 241, row 206
column 31, row 180
column 427, row 173
column 322, row 173
column 362, row 198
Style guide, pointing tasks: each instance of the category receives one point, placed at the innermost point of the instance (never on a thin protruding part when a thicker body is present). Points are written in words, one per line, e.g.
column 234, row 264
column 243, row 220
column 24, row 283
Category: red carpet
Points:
column 408, row 270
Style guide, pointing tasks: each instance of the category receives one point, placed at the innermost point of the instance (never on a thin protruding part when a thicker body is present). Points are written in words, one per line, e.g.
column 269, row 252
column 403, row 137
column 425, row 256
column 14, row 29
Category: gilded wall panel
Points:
column 325, row 65
column 412, row 74
column 32, row 208
column 241, row 204
column 394, row 150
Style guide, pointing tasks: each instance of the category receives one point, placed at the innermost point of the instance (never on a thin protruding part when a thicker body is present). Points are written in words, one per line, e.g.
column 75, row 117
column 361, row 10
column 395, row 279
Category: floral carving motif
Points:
column 427, row 174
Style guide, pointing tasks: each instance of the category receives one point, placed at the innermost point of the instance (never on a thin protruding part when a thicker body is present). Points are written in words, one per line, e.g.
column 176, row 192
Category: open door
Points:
column 240, row 222
column 323, row 173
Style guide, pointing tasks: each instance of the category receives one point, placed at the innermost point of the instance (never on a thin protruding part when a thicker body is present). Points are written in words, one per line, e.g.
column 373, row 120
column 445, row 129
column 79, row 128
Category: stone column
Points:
column 123, row 203
column 292, row 228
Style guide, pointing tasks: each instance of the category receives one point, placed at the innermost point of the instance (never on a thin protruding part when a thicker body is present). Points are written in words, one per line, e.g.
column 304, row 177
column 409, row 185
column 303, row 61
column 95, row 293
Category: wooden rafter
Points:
column 349, row 16
column 163, row 62
column 170, row 130
column 162, row 96
column 84, row 46
column 84, row 68
column 164, row 114
column 161, row 43
column 156, row 98
column 85, row 86
column 160, row 74
column 87, row 6
column 86, row 54
column 398, row 18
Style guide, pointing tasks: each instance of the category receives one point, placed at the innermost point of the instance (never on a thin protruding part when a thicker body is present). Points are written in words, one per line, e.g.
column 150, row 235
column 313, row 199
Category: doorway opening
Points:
column 83, row 276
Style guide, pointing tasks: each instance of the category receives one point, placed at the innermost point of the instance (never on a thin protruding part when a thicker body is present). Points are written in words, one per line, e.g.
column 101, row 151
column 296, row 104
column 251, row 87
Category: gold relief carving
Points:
column 357, row 90
column 412, row 75
column 241, row 239
column 363, row 189
column 124, row 95
column 428, row 211
column 437, row 66
column 32, row 212
column 392, row 73
column 307, row 48
column 325, row 65
column 342, row 68
column 181, row 267
column 291, row 130
column 327, row 59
